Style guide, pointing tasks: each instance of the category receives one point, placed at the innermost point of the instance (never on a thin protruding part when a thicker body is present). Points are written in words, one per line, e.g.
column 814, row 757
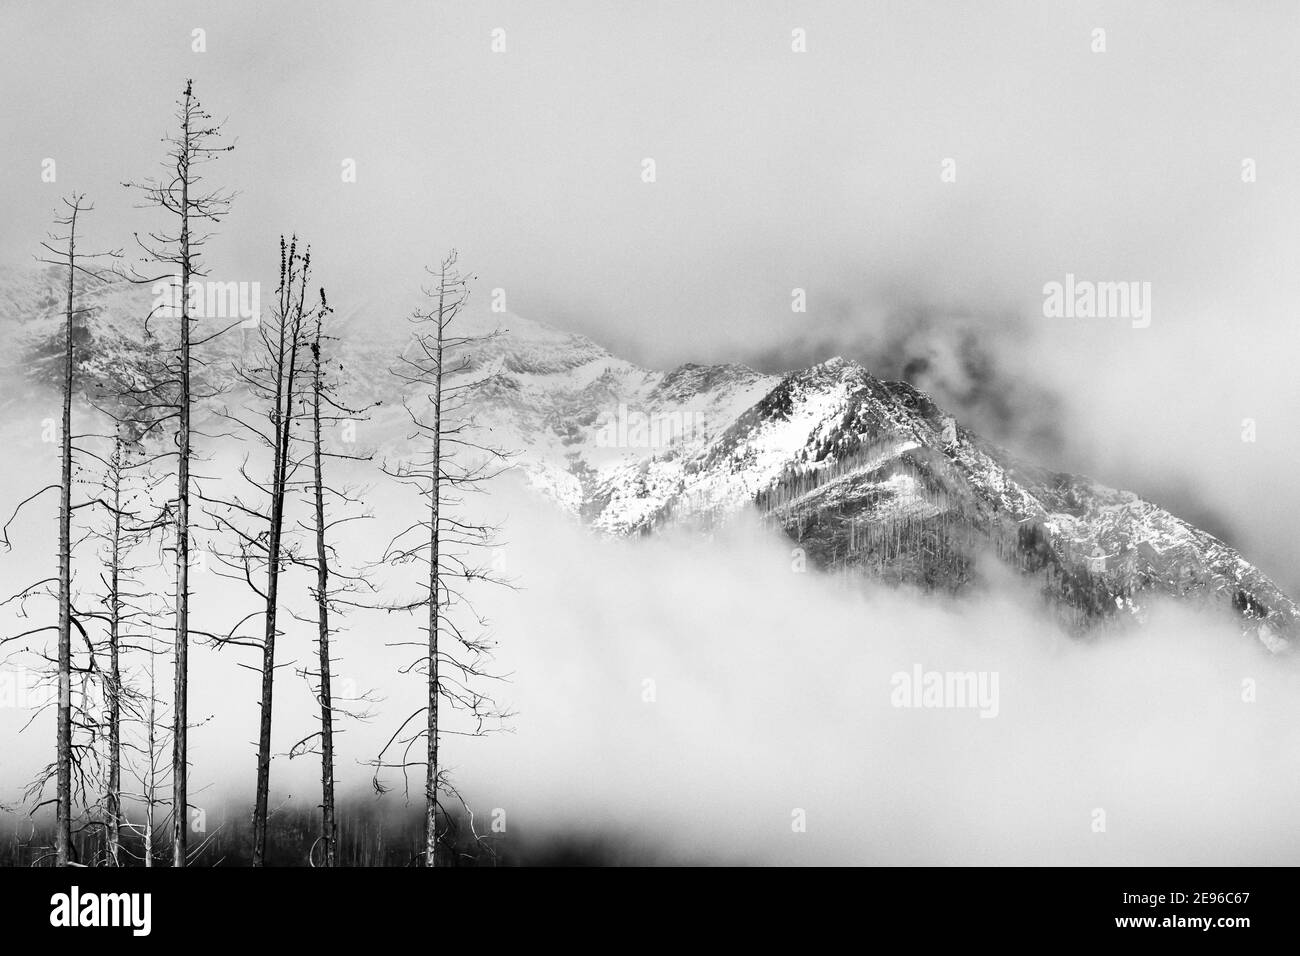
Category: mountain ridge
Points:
column 864, row 475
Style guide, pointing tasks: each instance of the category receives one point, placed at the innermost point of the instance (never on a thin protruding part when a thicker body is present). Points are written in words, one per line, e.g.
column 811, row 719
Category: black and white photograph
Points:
column 661, row 437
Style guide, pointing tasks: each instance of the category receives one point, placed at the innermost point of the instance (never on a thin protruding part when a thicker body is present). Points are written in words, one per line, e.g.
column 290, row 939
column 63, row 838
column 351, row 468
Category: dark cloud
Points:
column 968, row 362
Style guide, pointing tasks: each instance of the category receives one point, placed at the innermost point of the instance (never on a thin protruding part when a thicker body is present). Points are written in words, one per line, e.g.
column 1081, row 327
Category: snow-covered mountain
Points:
column 865, row 476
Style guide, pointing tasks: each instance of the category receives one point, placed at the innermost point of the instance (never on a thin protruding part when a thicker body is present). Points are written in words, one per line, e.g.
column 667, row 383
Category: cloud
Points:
column 771, row 694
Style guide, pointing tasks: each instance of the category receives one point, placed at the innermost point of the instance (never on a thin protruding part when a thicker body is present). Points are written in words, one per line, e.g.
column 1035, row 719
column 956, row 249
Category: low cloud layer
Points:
column 686, row 699
column 772, row 695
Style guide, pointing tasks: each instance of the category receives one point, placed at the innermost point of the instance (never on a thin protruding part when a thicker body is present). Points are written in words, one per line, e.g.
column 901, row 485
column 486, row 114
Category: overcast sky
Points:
column 775, row 170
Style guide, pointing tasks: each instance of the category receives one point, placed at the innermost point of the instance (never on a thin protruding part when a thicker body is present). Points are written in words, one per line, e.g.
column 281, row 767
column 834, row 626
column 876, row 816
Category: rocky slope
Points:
column 863, row 474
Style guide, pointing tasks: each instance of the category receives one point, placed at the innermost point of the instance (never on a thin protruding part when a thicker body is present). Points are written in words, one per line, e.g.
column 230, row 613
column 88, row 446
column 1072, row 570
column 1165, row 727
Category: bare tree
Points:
column 63, row 823
column 122, row 496
column 149, row 778
column 273, row 380
column 329, row 833
column 333, row 585
column 116, row 609
column 180, row 193
column 153, row 765
column 62, row 250
column 438, row 371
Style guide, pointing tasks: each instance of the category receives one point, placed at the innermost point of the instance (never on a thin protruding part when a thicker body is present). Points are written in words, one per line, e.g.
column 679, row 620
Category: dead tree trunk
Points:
column 114, row 801
column 325, row 406
column 78, row 265
column 181, row 530
column 328, row 831
column 435, row 496
column 329, row 835
column 151, row 780
column 179, row 194
column 272, row 376
column 63, row 816
column 283, row 380
column 440, row 365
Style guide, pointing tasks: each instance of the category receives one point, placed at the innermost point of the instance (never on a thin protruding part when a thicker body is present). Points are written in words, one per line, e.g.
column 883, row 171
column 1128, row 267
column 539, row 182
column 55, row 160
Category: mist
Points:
column 772, row 693
column 682, row 698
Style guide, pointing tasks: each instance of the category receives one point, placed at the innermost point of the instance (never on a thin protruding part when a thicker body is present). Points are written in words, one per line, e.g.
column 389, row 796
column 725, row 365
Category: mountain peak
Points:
column 874, row 476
